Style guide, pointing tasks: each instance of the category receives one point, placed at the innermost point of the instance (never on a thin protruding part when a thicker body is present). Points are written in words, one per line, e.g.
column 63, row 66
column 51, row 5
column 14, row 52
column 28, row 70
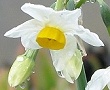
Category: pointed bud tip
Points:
column 21, row 70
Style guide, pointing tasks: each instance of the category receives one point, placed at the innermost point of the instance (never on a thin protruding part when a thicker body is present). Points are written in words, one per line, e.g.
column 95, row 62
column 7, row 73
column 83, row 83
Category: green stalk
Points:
column 31, row 53
column 81, row 82
column 59, row 5
column 100, row 1
column 79, row 4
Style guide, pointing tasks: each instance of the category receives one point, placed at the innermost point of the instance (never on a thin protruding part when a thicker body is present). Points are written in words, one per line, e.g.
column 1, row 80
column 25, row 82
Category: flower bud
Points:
column 73, row 67
column 21, row 69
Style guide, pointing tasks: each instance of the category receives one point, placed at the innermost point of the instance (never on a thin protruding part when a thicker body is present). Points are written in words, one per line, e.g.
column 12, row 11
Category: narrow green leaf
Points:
column 81, row 82
column 79, row 4
column 105, row 13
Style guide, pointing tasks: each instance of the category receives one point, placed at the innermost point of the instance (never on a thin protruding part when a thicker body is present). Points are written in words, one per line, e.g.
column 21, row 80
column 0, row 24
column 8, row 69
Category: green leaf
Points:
column 105, row 13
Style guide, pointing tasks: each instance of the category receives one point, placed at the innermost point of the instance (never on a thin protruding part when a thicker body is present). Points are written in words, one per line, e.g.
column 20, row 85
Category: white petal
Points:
column 99, row 80
column 70, row 15
column 60, row 57
column 73, row 67
column 67, row 19
column 38, row 12
column 72, row 18
column 25, row 28
column 29, row 41
column 108, row 85
column 89, row 37
column 55, row 20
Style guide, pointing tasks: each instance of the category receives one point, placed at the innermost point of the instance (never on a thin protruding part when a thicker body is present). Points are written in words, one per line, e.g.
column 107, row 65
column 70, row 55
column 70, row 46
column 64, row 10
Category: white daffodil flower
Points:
column 99, row 80
column 55, row 30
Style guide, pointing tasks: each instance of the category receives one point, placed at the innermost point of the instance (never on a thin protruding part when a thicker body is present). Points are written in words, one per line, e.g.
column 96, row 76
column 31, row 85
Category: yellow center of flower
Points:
column 52, row 38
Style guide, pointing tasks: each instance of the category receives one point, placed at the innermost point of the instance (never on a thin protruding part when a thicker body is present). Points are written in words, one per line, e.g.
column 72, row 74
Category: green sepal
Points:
column 105, row 13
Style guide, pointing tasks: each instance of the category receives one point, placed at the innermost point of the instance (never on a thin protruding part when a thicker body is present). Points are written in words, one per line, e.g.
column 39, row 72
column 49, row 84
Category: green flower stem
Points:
column 81, row 82
column 31, row 53
column 100, row 1
column 79, row 4
column 59, row 5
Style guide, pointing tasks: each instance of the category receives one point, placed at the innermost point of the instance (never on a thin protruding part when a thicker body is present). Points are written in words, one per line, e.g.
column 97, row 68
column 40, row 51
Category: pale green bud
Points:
column 22, row 68
column 75, row 65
